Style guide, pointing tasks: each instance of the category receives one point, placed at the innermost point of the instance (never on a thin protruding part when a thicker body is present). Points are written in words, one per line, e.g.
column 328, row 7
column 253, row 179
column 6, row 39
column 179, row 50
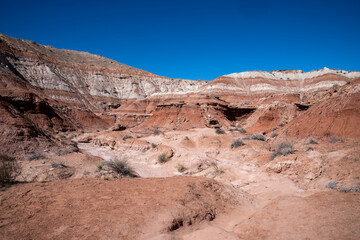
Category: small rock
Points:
column 310, row 176
column 104, row 177
column 169, row 153
column 41, row 179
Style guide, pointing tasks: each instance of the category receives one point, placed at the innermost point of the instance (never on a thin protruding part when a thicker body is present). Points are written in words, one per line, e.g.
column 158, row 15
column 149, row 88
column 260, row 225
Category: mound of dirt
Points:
column 326, row 215
column 337, row 116
column 96, row 209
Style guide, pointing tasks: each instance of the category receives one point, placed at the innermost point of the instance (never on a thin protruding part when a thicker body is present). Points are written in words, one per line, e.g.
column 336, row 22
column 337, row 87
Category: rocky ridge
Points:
column 79, row 91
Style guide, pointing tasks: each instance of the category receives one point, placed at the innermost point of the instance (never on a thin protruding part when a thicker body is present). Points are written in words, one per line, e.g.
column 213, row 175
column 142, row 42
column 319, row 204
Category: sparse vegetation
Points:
column 242, row 130
column 259, row 137
column 120, row 165
column 63, row 152
column 237, row 143
column 219, row 131
column 327, row 134
column 335, row 139
column 187, row 138
column 126, row 137
column 163, row 158
column 282, row 124
column 274, row 134
column 74, row 144
column 100, row 166
column 118, row 127
column 309, row 148
column 217, row 170
column 274, row 128
column 36, row 156
column 156, row 132
column 332, row 184
column 9, row 169
column 283, row 149
column 58, row 165
column 181, row 168
column 310, row 140
column 153, row 145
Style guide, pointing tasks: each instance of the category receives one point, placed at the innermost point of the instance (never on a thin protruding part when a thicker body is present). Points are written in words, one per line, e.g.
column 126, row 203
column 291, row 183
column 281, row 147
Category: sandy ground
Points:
column 254, row 197
column 116, row 209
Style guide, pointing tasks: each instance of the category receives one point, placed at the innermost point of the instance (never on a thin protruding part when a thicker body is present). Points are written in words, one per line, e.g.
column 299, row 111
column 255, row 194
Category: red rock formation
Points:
column 44, row 91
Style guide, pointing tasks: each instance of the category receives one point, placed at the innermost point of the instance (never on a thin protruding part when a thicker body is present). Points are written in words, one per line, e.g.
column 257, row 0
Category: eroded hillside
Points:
column 114, row 152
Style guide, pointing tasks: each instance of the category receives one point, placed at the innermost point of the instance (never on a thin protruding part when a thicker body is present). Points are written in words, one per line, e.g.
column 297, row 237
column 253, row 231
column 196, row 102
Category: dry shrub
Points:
column 274, row 134
column 163, row 158
column 36, row 156
column 121, row 166
column 309, row 148
column 126, row 137
column 156, row 132
column 181, row 168
column 283, row 149
column 259, row 137
column 335, row 139
column 310, row 140
column 219, row 131
column 237, row 143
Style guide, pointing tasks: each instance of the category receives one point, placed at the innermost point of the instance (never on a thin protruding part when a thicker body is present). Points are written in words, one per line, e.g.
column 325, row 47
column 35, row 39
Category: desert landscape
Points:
column 95, row 149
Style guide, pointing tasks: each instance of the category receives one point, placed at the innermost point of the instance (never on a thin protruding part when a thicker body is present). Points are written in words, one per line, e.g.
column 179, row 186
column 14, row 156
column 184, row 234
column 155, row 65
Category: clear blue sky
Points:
column 196, row 39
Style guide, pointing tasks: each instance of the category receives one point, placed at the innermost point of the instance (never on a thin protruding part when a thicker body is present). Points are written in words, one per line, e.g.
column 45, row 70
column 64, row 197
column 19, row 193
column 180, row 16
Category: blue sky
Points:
column 196, row 39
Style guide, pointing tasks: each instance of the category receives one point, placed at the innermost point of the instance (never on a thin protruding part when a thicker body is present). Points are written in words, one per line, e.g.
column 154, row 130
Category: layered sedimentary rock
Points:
column 286, row 81
column 52, row 90
column 82, row 78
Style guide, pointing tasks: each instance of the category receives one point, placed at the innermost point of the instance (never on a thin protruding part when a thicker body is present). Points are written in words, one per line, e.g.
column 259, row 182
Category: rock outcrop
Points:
column 45, row 91
column 82, row 78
